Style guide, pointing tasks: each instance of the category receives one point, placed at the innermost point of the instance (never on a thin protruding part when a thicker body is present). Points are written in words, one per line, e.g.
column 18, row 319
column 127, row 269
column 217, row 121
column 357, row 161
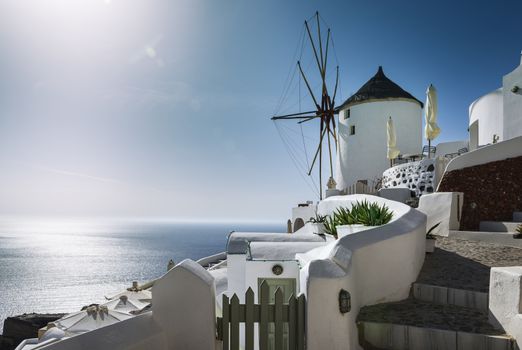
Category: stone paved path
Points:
column 463, row 264
column 417, row 313
column 456, row 263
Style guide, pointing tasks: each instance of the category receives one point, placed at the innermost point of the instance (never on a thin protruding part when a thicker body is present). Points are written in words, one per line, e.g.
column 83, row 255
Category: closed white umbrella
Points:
column 431, row 130
column 393, row 151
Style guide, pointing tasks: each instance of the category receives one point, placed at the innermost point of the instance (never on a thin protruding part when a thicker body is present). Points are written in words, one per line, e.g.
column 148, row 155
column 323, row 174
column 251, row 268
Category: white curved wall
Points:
column 450, row 147
column 488, row 112
column 362, row 156
column 499, row 151
column 375, row 266
column 182, row 317
column 512, row 104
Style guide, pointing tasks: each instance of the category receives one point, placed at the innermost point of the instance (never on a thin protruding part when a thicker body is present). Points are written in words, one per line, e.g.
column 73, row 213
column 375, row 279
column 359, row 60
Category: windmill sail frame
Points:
column 325, row 110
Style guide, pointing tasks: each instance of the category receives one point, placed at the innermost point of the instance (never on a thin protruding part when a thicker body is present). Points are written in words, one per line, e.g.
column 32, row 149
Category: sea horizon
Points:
column 59, row 266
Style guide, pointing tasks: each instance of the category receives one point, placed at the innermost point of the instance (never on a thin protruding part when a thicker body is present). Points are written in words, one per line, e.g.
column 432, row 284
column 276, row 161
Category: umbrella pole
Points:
column 429, row 148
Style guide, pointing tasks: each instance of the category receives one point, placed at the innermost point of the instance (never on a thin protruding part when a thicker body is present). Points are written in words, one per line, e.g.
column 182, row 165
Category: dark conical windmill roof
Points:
column 379, row 87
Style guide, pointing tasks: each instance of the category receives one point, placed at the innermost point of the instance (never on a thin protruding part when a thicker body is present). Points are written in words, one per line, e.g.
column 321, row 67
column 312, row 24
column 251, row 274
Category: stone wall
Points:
column 492, row 191
column 419, row 177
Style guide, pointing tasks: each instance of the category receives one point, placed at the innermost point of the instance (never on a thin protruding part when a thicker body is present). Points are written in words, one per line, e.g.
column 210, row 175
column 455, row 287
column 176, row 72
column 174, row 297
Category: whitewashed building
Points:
column 362, row 139
column 497, row 116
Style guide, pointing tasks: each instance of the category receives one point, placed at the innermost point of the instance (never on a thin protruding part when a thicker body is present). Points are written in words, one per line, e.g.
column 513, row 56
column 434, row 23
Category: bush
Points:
column 362, row 213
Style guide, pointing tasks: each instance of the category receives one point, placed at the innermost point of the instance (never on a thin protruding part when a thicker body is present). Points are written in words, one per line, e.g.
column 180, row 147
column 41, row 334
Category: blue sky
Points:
column 161, row 108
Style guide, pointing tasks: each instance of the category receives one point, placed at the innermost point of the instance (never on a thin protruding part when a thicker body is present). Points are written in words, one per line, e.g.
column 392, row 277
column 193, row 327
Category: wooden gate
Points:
column 286, row 319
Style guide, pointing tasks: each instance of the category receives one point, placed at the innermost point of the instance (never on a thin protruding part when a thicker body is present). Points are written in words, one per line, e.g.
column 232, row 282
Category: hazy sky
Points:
column 161, row 108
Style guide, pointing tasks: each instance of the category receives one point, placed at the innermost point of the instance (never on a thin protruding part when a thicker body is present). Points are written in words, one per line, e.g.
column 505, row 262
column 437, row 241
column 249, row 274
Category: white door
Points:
column 287, row 286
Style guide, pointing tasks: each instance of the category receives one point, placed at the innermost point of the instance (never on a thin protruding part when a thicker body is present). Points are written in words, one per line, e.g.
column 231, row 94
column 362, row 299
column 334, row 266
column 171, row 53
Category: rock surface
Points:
column 18, row 328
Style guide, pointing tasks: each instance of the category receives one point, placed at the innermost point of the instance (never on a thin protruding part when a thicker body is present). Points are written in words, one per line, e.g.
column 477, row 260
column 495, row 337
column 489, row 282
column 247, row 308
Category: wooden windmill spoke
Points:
column 317, row 151
column 313, row 47
column 307, row 84
column 308, row 119
column 303, row 115
column 320, row 44
column 330, row 150
column 326, row 52
column 336, row 84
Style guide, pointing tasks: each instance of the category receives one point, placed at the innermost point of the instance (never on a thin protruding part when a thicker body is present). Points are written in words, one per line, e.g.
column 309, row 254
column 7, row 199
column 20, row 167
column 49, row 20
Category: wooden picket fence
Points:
column 279, row 313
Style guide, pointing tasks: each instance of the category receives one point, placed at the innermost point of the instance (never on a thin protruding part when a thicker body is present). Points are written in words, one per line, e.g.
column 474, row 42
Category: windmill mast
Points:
column 325, row 111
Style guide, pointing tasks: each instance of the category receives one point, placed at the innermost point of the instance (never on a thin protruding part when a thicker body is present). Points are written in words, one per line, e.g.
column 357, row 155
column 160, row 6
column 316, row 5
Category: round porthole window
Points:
column 277, row 270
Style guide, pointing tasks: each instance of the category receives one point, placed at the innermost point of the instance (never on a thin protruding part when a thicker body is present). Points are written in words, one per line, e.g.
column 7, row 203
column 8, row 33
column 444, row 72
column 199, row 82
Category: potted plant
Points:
column 317, row 224
column 518, row 232
column 430, row 239
column 362, row 216
column 330, row 225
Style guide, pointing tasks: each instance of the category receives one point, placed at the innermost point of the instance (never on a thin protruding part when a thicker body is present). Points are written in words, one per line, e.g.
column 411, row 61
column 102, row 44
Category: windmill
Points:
column 324, row 107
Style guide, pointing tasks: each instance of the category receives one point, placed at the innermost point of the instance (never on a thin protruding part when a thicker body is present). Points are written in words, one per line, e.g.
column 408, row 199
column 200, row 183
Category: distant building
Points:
column 497, row 116
column 362, row 136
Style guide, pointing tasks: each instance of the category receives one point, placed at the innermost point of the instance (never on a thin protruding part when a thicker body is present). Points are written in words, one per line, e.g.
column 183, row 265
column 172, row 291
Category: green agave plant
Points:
column 330, row 225
column 518, row 232
column 319, row 219
column 363, row 213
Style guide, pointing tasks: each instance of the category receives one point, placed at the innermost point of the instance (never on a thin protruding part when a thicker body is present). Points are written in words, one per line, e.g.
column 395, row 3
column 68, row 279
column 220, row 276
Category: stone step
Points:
column 499, row 226
column 413, row 324
column 451, row 296
column 517, row 216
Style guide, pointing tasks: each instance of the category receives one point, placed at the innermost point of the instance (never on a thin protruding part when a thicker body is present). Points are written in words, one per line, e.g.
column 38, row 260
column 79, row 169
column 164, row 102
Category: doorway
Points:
column 288, row 287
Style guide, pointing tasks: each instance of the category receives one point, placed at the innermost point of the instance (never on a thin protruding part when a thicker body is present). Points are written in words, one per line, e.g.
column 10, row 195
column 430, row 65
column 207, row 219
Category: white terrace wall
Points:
column 444, row 209
column 182, row 317
column 512, row 99
column 499, row 151
column 505, row 300
column 137, row 333
column 447, row 148
column 375, row 266
column 237, row 247
column 184, row 305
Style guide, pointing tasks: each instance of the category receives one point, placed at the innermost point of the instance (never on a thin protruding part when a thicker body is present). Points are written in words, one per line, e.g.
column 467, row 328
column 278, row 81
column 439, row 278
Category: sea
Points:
column 59, row 266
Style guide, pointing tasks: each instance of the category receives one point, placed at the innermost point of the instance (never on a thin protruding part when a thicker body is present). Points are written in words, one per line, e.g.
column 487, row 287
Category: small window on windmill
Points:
column 352, row 129
column 347, row 114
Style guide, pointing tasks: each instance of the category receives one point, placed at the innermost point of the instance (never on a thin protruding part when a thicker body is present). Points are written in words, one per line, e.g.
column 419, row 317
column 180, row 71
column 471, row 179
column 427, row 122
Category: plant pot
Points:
column 430, row 245
column 345, row 230
column 317, row 228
